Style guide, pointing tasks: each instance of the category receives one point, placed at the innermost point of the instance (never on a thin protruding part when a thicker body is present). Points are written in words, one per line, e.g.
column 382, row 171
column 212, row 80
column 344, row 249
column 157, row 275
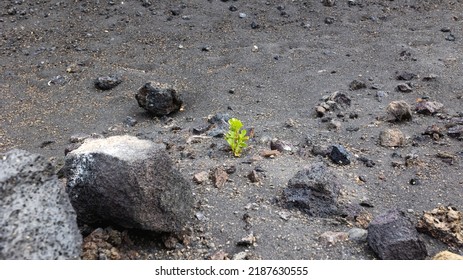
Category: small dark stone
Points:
column 353, row 115
column 145, row 3
column 367, row 162
column 206, row 48
column 200, row 129
column 329, row 3
column 279, row 145
column 406, row 76
column 329, row 20
column 340, row 155
column 46, row 143
column 254, row 25
column 159, row 100
column 414, row 182
column 230, row 169
column 341, row 100
column 107, row 82
column 253, row 177
column 366, row 204
column 233, row 8
column 445, row 29
column 352, row 128
column 259, row 169
column 129, row 121
column 176, row 12
column 356, row 85
column 314, row 190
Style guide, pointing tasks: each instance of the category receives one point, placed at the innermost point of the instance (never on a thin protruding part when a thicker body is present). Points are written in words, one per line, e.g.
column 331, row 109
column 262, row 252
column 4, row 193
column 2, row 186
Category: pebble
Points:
column 129, row 121
column 340, row 155
column 280, row 146
column 329, row 20
column 428, row 107
column 450, row 38
column 405, row 76
column 356, row 85
column 404, row 87
column 201, row 177
column 270, row 153
column 358, row 234
column 206, row 48
column 219, row 177
column 391, row 138
column 334, row 125
column 430, row 77
column 285, row 215
column 248, row 240
column 398, row 111
column 253, row 177
column 329, row 3
column 380, row 95
column 58, row 80
column 455, row 131
column 367, row 162
column 242, row 15
column 333, row 237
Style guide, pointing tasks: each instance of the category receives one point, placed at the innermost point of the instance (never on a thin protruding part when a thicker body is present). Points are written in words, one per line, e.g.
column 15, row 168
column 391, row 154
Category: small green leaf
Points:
column 236, row 138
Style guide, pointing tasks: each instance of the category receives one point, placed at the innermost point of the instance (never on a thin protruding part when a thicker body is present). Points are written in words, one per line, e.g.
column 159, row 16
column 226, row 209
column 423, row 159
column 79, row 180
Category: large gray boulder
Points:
column 129, row 182
column 314, row 190
column 393, row 237
column 36, row 218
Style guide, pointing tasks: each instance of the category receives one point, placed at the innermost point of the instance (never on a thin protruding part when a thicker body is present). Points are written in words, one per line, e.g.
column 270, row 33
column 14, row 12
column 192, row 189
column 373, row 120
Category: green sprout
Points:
column 235, row 137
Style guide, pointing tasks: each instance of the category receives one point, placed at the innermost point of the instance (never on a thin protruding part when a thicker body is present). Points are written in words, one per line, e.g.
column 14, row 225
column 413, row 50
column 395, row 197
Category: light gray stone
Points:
column 37, row 220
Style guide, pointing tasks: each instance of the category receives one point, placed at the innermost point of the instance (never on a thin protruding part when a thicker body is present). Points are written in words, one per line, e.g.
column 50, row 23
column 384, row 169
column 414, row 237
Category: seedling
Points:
column 236, row 137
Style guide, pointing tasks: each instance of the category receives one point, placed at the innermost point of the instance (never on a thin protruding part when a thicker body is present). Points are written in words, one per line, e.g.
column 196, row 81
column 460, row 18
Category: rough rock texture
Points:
column 391, row 138
column 107, row 82
column 314, row 190
column 102, row 244
column 36, row 218
column 398, row 111
column 392, row 236
column 446, row 255
column 428, row 107
column 128, row 182
column 443, row 223
column 160, row 100
column 340, row 155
